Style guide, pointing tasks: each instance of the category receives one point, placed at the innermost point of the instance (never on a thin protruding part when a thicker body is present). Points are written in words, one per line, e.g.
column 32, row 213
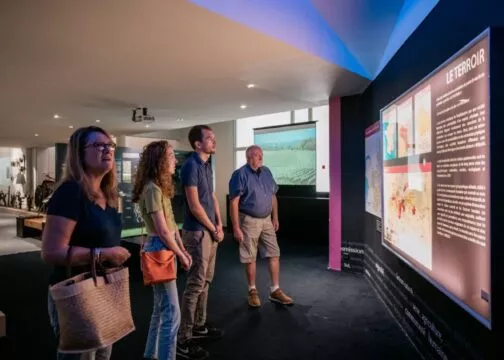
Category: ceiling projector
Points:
column 140, row 114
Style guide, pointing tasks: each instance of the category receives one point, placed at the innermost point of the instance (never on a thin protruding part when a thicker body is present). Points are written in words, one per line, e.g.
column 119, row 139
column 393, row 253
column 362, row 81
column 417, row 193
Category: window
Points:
column 244, row 130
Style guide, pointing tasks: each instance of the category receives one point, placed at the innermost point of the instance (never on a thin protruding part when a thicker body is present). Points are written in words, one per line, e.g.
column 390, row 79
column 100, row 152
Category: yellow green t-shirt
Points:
column 152, row 200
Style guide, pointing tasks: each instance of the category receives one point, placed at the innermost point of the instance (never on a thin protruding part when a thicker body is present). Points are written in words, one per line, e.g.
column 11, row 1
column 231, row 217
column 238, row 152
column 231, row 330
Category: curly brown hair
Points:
column 153, row 166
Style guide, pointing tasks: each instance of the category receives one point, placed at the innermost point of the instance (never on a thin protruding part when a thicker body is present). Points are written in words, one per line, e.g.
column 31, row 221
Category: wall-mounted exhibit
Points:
column 436, row 178
column 428, row 132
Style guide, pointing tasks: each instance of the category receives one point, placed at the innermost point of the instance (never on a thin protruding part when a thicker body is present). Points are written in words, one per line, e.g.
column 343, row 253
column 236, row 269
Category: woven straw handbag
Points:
column 94, row 308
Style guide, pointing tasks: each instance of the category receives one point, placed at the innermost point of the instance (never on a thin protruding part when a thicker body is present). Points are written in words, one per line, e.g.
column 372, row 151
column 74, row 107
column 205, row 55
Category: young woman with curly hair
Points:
column 153, row 191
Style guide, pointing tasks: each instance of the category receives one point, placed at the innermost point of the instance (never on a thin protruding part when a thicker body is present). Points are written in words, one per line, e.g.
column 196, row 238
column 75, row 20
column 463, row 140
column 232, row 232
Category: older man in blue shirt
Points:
column 254, row 216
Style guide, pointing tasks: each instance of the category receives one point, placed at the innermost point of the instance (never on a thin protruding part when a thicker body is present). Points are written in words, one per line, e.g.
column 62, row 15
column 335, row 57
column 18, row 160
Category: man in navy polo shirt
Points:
column 254, row 215
column 201, row 232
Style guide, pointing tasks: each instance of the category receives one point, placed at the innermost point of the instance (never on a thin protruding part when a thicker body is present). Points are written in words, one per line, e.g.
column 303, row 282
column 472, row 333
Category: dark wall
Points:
column 303, row 215
column 352, row 180
column 439, row 328
column 303, row 219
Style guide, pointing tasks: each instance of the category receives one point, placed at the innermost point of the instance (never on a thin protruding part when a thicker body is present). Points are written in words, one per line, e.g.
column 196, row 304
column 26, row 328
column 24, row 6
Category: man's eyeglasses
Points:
column 101, row 146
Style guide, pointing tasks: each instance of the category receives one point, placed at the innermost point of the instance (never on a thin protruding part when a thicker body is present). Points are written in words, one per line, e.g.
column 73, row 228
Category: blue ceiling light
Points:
column 410, row 17
column 358, row 35
column 364, row 26
column 295, row 22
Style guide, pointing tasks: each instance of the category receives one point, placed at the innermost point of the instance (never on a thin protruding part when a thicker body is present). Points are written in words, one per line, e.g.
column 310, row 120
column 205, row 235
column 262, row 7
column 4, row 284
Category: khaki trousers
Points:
column 203, row 251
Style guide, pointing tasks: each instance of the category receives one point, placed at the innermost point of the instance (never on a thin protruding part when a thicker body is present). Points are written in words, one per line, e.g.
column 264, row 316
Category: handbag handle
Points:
column 97, row 268
column 68, row 259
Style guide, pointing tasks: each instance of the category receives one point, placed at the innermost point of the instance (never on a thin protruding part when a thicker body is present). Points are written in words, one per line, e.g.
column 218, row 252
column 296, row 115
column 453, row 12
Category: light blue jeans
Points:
column 102, row 354
column 165, row 319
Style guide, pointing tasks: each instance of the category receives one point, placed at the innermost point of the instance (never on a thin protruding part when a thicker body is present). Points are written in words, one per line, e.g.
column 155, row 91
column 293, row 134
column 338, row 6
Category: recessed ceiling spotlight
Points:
column 36, row 134
column 56, row 116
column 180, row 119
column 250, row 86
column 147, row 126
column 243, row 106
column 71, row 126
column 98, row 121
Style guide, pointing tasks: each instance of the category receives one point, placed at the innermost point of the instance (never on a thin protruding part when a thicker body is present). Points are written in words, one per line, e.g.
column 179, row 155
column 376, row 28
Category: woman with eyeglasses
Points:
column 82, row 214
column 153, row 191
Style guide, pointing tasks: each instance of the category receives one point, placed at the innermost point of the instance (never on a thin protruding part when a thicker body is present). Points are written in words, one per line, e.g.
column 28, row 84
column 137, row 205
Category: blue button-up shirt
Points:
column 256, row 190
column 196, row 172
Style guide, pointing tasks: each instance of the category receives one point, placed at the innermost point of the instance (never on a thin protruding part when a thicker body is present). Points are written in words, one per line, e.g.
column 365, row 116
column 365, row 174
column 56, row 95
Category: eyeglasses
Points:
column 101, row 146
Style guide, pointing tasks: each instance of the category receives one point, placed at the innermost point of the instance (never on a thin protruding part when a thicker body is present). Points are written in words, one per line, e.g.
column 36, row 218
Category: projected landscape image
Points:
column 290, row 155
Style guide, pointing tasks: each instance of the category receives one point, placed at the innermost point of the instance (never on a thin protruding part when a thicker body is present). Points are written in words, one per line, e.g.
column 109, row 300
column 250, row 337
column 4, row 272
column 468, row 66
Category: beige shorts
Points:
column 257, row 234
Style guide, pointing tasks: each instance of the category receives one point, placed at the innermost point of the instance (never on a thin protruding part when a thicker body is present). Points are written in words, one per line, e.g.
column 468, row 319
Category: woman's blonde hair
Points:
column 153, row 166
column 75, row 167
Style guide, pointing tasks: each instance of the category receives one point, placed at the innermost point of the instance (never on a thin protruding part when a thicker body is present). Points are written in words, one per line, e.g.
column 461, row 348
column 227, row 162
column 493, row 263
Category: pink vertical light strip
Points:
column 335, row 184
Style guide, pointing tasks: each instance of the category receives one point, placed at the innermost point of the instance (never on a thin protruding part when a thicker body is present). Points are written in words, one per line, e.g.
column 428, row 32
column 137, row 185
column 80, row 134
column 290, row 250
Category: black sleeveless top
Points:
column 96, row 227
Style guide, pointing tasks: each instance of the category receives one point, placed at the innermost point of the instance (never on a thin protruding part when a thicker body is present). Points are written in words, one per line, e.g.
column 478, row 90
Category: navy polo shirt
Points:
column 256, row 190
column 196, row 172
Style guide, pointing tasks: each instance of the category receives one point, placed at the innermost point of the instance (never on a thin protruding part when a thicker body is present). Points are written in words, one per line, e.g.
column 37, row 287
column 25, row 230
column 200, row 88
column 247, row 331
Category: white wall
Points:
column 45, row 163
column 224, row 162
column 321, row 115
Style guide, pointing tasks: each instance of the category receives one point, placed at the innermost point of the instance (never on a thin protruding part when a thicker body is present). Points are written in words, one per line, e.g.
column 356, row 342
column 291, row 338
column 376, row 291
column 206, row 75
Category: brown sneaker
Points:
column 279, row 296
column 253, row 298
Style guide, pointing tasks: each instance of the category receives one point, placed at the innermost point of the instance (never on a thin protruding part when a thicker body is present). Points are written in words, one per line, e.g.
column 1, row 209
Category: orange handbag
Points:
column 158, row 266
